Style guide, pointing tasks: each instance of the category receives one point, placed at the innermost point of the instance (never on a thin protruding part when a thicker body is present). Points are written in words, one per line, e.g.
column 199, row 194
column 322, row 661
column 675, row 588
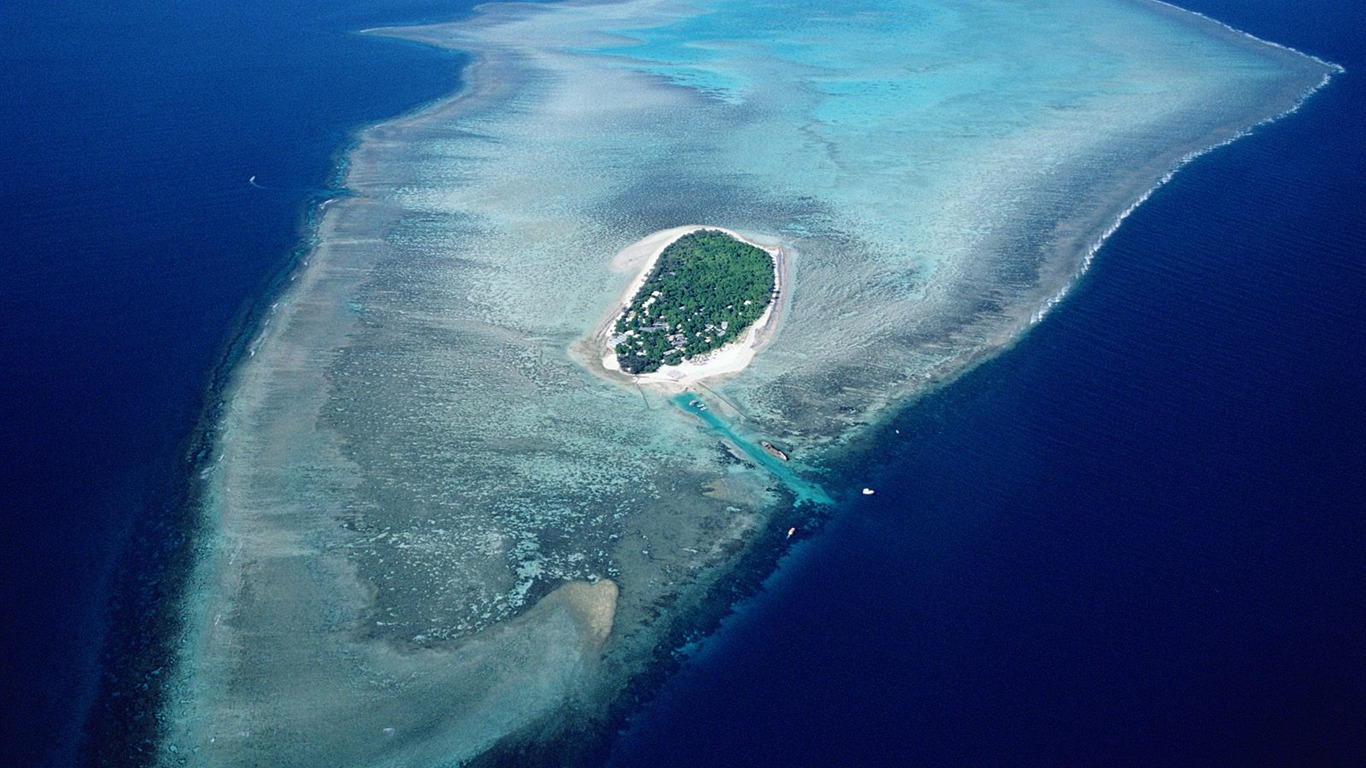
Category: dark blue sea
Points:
column 132, row 251
column 1136, row 538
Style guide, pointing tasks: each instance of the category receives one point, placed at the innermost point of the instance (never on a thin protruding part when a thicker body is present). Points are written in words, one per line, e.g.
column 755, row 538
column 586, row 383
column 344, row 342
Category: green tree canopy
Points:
column 705, row 290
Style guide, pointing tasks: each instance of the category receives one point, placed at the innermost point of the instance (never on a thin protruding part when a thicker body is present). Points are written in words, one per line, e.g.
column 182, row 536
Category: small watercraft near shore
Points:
column 773, row 449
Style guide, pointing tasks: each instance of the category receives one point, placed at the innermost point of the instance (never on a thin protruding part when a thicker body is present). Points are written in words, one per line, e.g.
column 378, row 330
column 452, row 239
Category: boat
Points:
column 773, row 449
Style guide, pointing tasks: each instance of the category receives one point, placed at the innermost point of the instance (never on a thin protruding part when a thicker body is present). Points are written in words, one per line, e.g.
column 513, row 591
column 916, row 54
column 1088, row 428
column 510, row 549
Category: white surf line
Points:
column 1335, row 69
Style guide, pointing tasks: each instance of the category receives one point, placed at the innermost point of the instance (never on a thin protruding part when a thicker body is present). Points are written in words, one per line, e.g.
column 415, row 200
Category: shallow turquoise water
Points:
column 803, row 490
column 1134, row 539
column 423, row 446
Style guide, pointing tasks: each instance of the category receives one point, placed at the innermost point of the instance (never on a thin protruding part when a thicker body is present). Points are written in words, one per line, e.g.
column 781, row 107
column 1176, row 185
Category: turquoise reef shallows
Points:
column 432, row 533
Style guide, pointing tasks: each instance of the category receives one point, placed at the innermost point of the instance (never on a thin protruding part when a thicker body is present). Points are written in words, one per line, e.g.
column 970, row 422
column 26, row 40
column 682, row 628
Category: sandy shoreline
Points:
column 728, row 360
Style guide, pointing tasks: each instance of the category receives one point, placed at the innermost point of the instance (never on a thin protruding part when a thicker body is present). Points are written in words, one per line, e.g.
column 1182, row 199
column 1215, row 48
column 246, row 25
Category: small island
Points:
column 704, row 291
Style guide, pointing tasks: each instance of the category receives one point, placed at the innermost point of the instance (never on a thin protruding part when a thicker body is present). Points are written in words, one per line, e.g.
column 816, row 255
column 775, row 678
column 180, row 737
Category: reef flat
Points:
column 433, row 537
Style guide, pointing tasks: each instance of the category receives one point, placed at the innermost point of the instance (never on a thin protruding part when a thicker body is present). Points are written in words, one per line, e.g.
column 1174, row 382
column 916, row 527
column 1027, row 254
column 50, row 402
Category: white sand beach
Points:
column 728, row 360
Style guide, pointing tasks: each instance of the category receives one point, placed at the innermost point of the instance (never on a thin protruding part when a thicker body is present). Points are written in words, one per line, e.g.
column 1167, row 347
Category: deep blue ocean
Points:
column 133, row 250
column 1136, row 538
